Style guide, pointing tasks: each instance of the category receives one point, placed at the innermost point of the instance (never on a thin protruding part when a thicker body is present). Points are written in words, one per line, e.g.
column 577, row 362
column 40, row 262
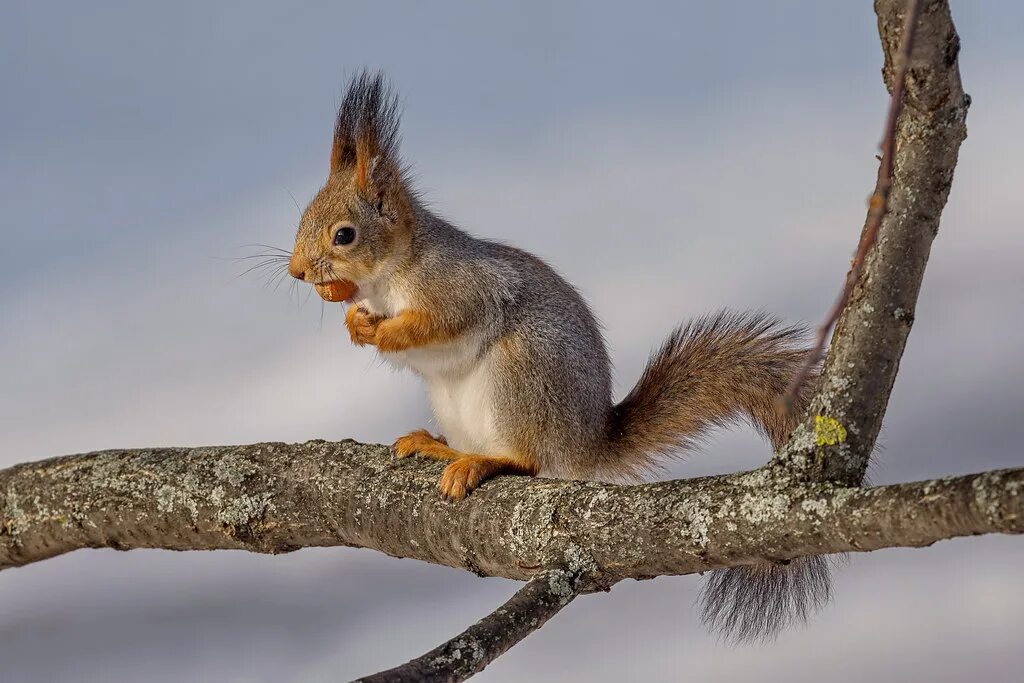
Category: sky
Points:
column 668, row 158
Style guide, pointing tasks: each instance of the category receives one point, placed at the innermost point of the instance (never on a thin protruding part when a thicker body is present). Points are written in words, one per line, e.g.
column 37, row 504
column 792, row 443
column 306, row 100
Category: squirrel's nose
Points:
column 296, row 270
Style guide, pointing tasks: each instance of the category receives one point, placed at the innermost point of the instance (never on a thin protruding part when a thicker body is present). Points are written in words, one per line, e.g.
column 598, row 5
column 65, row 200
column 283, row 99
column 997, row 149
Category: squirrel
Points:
column 515, row 364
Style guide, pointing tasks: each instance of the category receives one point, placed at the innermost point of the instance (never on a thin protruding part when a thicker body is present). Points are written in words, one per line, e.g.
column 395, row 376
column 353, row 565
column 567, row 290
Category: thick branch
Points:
column 468, row 653
column 865, row 352
column 279, row 497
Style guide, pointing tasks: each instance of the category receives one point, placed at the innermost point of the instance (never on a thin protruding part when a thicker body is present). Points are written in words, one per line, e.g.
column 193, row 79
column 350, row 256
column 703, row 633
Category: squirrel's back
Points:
column 554, row 375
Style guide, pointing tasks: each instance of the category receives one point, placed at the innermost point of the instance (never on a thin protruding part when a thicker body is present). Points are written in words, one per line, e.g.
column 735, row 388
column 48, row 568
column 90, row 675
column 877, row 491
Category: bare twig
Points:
column 877, row 206
column 468, row 653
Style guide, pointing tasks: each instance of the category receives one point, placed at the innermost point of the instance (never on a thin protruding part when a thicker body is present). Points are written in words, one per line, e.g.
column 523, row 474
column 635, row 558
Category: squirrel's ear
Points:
column 366, row 144
column 342, row 153
column 366, row 141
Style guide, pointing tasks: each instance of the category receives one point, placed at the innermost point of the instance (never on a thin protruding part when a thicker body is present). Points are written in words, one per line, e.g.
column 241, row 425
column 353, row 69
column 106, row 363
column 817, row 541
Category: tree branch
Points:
column 878, row 205
column 278, row 497
column 468, row 653
column 837, row 436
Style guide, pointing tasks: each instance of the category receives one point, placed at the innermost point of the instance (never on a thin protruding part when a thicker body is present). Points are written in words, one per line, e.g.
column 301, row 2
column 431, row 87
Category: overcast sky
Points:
column 668, row 158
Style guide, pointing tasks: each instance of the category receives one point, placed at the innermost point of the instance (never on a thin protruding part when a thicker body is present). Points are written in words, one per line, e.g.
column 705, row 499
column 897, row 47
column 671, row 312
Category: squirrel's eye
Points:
column 345, row 235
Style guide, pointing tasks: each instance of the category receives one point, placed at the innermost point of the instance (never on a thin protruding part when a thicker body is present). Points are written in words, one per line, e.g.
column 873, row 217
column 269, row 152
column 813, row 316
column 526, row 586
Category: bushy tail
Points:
column 755, row 602
column 713, row 371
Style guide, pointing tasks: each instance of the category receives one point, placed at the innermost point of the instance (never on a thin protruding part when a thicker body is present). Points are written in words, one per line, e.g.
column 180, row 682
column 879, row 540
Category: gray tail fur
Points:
column 758, row 601
column 713, row 371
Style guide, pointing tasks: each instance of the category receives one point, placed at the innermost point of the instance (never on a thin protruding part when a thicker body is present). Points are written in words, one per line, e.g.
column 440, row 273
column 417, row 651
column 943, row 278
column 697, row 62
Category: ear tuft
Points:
column 366, row 131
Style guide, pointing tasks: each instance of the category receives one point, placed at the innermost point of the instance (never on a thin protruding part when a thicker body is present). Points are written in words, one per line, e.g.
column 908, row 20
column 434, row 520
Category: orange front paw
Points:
column 362, row 325
column 462, row 476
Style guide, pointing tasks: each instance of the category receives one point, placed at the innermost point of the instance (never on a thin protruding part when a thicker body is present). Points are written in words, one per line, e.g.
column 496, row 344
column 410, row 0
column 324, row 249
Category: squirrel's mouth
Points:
column 336, row 290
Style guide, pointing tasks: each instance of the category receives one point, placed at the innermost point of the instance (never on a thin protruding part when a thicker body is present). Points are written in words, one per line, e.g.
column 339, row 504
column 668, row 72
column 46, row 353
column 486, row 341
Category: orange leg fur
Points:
column 406, row 330
column 466, row 471
column 410, row 329
column 469, row 471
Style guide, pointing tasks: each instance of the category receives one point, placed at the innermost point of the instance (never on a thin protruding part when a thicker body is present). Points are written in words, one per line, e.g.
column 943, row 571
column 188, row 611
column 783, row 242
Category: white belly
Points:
column 458, row 382
column 464, row 410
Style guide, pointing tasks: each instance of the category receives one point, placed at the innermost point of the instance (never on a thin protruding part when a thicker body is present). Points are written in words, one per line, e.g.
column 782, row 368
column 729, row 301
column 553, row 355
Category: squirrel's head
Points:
column 362, row 220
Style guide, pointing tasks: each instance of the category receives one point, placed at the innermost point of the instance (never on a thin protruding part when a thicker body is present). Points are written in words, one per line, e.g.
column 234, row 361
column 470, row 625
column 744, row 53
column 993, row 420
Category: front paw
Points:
column 362, row 325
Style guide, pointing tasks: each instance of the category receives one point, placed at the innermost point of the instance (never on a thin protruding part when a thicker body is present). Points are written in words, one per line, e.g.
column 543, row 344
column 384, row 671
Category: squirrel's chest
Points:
column 442, row 362
column 459, row 377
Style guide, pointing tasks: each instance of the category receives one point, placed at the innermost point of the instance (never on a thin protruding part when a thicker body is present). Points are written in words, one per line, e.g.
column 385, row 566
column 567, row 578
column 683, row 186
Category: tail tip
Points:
column 755, row 603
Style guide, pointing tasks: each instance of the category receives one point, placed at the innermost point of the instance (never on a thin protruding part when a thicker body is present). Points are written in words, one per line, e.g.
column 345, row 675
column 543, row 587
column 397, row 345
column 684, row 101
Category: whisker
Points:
column 272, row 262
column 266, row 246
column 260, row 266
column 275, row 277
column 294, row 201
column 278, row 280
column 262, row 254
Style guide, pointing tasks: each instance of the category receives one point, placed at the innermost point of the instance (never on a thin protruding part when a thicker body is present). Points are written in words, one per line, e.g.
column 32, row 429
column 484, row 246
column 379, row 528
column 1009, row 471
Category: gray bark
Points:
column 541, row 598
column 274, row 498
column 864, row 356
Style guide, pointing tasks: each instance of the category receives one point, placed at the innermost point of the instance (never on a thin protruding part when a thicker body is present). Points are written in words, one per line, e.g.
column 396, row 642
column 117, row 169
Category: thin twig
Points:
column 878, row 206
column 468, row 653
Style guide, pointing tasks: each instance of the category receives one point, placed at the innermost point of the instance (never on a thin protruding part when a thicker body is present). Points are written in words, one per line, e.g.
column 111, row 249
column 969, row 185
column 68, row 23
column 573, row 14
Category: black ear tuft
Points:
column 366, row 131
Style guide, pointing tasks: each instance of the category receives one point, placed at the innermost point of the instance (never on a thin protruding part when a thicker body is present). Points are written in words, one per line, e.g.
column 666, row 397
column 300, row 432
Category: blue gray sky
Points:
column 668, row 158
